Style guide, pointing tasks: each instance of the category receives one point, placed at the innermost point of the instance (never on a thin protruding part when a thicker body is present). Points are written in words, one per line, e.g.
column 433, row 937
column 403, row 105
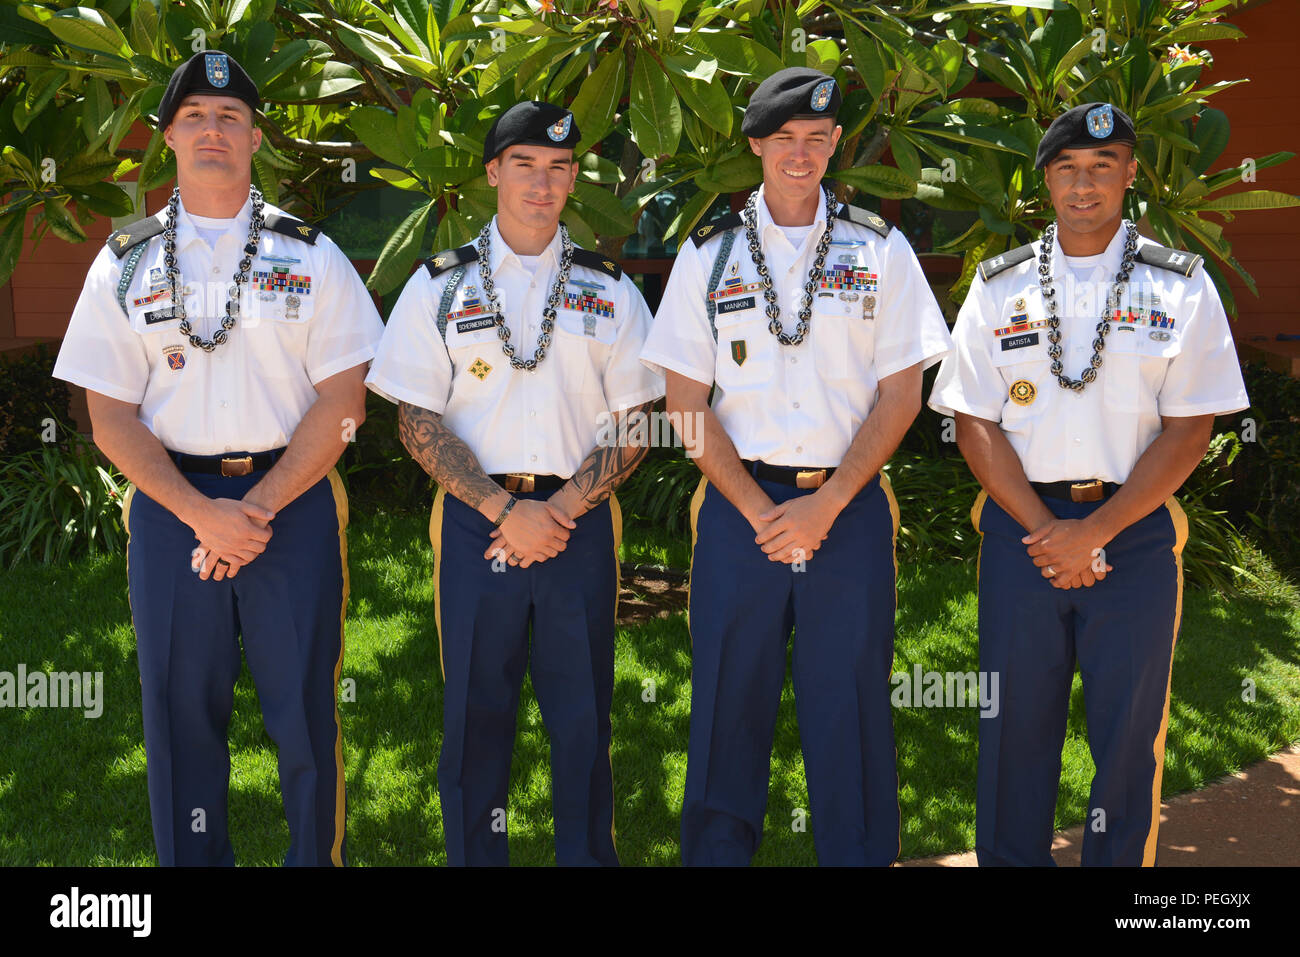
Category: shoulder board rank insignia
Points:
column 1003, row 261
column 702, row 234
column 133, row 235
column 288, row 226
column 593, row 260
column 864, row 217
column 1162, row 257
column 450, row 259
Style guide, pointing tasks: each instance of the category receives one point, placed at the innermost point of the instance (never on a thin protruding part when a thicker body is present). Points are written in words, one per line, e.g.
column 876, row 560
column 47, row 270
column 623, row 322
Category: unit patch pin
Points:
column 1023, row 392
column 480, row 369
column 175, row 357
column 738, row 353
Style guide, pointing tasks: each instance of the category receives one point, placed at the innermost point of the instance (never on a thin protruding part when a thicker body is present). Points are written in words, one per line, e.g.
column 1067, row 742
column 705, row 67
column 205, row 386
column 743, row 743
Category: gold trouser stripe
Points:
column 127, row 499
column 435, row 539
column 893, row 548
column 1179, row 518
column 340, row 804
column 616, row 520
column 696, row 501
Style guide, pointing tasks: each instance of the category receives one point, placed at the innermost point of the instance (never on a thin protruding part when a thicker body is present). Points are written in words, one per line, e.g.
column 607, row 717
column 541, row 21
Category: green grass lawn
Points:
column 72, row 789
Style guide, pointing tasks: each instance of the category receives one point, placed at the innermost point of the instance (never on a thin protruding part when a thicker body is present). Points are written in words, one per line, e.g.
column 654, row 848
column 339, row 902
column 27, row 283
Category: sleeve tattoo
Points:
column 444, row 456
column 607, row 466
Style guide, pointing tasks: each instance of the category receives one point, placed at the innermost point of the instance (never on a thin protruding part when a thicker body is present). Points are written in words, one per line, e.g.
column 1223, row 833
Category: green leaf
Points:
column 731, row 175
column 454, row 230
column 1251, row 199
column 883, row 181
column 11, row 244
column 394, row 263
column 739, row 55
column 864, row 53
column 597, row 100
column 656, row 116
column 905, row 155
column 1211, row 135
column 501, row 66
column 708, row 101
column 369, row 45
column 334, row 78
column 88, row 29
column 395, row 177
column 601, row 210
column 596, row 169
column 62, row 223
column 579, row 231
column 291, row 54
column 144, row 26
column 377, row 129
column 826, row 53
column 264, row 174
column 690, row 214
column 663, row 14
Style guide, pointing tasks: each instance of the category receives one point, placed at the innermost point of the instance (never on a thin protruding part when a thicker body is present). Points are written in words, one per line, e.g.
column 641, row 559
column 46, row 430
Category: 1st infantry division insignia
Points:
column 738, row 353
column 480, row 369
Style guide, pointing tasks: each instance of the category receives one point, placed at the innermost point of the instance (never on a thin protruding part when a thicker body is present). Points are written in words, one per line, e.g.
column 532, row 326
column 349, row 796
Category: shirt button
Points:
column 798, row 448
column 532, row 458
column 794, row 359
column 796, row 405
column 216, row 270
column 533, row 413
column 225, row 404
column 1078, row 441
column 227, row 448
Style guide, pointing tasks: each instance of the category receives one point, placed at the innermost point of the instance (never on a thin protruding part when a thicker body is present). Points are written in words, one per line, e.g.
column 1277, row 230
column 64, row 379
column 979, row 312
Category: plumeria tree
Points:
column 410, row 87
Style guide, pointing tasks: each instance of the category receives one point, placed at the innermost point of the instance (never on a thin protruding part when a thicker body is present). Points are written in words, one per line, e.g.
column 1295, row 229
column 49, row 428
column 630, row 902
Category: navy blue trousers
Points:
column 1121, row 631
column 287, row 605
column 484, row 615
column 742, row 609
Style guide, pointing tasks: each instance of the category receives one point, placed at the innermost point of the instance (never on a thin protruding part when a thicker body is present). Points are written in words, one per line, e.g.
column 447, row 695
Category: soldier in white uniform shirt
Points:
column 814, row 322
column 1086, row 374
column 226, row 402
column 513, row 360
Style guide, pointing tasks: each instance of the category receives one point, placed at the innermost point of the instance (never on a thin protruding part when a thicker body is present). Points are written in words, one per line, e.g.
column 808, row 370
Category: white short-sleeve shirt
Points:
column 1169, row 353
column 545, row 421
column 873, row 315
column 304, row 316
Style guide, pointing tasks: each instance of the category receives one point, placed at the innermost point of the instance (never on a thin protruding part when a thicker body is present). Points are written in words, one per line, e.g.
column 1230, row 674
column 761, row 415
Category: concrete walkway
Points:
column 1251, row 819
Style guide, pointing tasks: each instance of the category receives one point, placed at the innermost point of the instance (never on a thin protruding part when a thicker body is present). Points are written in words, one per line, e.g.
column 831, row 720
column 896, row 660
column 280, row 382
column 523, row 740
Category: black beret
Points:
column 794, row 93
column 1085, row 127
column 210, row 73
column 534, row 123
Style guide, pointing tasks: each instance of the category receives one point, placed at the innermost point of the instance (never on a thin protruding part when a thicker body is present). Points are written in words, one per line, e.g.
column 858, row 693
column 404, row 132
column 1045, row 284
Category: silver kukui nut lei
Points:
column 1103, row 327
column 750, row 217
column 484, row 246
column 255, row 224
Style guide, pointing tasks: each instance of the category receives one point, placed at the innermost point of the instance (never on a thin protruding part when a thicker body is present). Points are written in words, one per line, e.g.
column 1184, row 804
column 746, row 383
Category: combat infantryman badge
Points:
column 1023, row 392
column 738, row 353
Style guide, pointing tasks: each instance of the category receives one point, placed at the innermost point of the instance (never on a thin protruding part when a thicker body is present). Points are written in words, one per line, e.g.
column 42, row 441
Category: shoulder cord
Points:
column 719, row 264
column 448, row 295
column 128, row 272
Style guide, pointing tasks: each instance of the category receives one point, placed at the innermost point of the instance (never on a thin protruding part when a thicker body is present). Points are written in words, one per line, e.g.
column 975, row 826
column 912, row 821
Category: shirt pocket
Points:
column 582, row 343
column 747, row 350
column 843, row 340
column 477, row 360
column 1134, row 365
column 1028, row 383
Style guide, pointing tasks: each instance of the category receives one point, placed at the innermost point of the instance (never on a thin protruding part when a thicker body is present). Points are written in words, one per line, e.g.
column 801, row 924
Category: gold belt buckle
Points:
column 521, row 482
column 234, row 468
column 811, row 478
column 1087, row 491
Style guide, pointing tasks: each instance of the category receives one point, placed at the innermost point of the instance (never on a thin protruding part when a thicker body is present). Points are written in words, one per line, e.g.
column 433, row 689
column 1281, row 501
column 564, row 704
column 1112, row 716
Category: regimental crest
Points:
column 217, row 67
column 1023, row 392
column 738, row 352
column 559, row 130
column 1100, row 121
column 175, row 357
column 480, row 369
column 821, row 95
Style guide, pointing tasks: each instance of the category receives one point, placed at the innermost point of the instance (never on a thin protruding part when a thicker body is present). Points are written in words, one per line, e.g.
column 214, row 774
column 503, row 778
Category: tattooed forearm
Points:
column 607, row 466
column 444, row 456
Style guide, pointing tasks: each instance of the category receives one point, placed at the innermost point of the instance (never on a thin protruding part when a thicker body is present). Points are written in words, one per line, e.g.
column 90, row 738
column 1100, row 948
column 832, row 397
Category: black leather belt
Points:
column 231, row 466
column 1091, row 490
column 528, row 482
column 794, row 475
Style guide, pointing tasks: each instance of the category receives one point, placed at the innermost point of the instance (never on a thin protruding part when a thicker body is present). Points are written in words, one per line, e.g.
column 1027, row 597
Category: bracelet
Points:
column 505, row 512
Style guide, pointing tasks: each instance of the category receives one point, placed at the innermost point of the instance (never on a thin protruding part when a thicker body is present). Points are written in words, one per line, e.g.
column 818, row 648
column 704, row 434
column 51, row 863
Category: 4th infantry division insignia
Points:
column 738, row 351
column 480, row 369
column 1023, row 392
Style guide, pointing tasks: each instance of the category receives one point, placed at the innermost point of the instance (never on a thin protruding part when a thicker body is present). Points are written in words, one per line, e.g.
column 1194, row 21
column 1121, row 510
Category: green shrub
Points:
column 57, row 502
column 29, row 396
